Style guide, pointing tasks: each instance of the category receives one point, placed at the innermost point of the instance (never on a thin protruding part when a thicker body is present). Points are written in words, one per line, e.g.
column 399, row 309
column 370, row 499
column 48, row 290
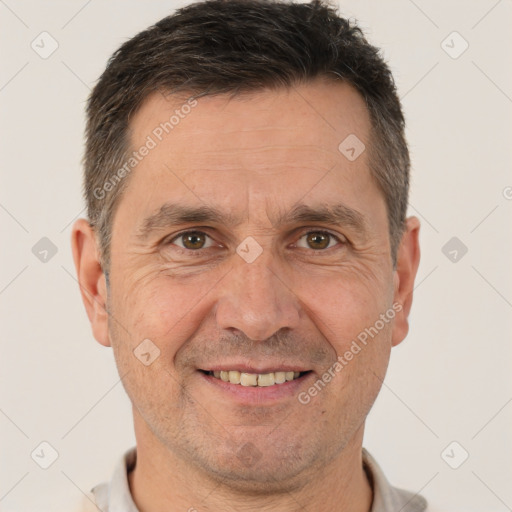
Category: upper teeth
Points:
column 255, row 379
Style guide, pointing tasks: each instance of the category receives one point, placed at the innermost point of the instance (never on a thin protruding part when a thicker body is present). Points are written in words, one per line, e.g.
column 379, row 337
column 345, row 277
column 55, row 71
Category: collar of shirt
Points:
column 114, row 496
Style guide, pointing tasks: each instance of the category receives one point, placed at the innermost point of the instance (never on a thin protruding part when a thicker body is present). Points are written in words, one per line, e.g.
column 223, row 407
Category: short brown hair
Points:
column 234, row 46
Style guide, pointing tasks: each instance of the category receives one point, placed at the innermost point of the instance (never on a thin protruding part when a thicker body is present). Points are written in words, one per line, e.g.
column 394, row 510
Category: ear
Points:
column 408, row 259
column 91, row 278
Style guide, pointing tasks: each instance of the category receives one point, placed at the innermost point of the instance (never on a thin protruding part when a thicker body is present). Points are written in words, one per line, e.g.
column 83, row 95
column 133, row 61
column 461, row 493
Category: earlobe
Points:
column 408, row 259
column 91, row 279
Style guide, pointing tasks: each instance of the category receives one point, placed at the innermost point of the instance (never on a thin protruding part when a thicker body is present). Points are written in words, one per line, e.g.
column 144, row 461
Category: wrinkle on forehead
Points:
column 260, row 156
column 327, row 104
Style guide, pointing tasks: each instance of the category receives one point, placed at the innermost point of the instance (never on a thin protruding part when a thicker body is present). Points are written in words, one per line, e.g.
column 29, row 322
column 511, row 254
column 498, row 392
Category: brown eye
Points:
column 192, row 240
column 318, row 240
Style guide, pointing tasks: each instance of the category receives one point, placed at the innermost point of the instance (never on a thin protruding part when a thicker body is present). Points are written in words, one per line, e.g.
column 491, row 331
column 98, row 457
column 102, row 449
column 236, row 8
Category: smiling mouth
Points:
column 255, row 379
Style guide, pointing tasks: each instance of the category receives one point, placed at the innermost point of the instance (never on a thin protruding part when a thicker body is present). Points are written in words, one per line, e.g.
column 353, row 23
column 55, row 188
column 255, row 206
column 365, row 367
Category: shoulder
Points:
column 387, row 498
column 404, row 500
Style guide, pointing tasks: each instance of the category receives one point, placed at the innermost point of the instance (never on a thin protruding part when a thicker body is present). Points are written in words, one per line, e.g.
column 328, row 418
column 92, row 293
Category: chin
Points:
column 259, row 480
column 256, row 468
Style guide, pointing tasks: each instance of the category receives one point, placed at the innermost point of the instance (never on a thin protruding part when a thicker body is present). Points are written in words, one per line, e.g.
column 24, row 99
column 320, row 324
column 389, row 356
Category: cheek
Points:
column 347, row 303
column 165, row 309
column 347, row 310
column 349, row 385
column 168, row 309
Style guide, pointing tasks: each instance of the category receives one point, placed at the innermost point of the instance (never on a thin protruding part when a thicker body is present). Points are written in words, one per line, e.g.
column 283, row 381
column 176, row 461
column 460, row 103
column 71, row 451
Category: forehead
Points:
column 319, row 113
column 270, row 147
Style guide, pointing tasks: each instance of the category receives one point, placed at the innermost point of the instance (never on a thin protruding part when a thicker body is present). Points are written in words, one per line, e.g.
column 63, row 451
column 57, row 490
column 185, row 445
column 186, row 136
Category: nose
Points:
column 256, row 299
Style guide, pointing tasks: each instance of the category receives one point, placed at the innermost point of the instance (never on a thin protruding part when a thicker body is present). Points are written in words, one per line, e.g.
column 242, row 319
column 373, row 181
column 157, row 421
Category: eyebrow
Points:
column 173, row 214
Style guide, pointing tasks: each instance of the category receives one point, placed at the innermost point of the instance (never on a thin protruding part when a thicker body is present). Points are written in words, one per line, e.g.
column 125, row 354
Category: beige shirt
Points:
column 114, row 496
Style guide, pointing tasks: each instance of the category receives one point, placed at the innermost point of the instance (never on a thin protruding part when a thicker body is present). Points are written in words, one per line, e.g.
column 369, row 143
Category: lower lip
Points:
column 258, row 394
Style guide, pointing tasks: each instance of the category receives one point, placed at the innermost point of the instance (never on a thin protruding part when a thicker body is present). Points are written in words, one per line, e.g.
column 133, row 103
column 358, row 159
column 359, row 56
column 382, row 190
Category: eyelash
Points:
column 316, row 231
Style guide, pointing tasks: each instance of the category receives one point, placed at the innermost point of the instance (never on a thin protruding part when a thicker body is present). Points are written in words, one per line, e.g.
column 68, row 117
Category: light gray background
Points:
column 450, row 380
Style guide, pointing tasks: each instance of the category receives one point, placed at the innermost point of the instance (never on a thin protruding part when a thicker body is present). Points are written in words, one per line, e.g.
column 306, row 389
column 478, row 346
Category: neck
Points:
column 163, row 481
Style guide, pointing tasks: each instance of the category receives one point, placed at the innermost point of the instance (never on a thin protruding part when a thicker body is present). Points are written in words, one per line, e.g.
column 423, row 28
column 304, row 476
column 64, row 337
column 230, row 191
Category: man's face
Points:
column 259, row 291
